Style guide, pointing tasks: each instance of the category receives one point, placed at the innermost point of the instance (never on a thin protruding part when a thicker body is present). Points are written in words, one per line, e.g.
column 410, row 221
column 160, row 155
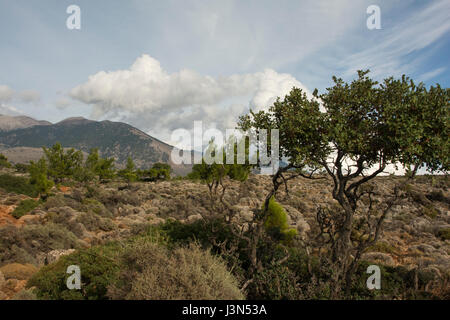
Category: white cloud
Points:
column 147, row 96
column 9, row 110
column 6, row 93
column 431, row 74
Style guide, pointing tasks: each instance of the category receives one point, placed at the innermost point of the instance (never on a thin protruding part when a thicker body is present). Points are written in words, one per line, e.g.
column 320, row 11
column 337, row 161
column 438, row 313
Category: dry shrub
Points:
column 153, row 272
column 18, row 271
column 25, row 294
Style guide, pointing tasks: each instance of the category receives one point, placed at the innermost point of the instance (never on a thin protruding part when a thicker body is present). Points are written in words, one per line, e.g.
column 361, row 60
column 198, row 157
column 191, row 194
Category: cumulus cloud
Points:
column 158, row 102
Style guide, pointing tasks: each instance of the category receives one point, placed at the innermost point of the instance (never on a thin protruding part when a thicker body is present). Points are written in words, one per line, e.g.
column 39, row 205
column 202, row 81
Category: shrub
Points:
column 24, row 244
column 430, row 211
column 25, row 294
column 444, row 234
column 276, row 223
column 18, row 271
column 98, row 268
column 21, row 167
column 153, row 272
column 94, row 222
column 4, row 162
column 15, row 184
column 97, row 207
column 276, row 283
column 24, row 207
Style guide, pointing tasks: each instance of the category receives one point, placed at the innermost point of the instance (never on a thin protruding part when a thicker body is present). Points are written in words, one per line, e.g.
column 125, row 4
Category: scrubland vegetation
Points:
column 307, row 232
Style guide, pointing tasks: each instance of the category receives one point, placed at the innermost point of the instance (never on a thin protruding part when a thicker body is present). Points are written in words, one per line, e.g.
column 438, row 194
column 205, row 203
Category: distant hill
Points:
column 19, row 122
column 113, row 139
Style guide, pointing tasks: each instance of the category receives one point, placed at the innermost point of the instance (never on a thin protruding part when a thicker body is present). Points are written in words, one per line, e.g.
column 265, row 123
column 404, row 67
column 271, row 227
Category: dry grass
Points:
column 187, row 273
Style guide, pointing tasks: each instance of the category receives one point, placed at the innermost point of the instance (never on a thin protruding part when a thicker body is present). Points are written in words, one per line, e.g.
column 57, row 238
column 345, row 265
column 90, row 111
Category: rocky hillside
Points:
column 416, row 234
column 113, row 139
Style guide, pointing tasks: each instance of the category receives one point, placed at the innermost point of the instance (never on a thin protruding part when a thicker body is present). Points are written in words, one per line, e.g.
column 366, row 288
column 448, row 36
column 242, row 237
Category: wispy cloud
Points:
column 389, row 54
column 431, row 74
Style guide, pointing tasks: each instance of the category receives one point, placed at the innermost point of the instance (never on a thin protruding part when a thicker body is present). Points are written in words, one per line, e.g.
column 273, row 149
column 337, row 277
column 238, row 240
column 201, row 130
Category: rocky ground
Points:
column 416, row 233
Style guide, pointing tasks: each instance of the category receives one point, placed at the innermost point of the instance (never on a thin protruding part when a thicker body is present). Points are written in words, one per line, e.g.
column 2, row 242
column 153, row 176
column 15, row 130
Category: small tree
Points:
column 214, row 174
column 129, row 173
column 38, row 177
column 97, row 166
column 362, row 128
column 62, row 164
column 4, row 162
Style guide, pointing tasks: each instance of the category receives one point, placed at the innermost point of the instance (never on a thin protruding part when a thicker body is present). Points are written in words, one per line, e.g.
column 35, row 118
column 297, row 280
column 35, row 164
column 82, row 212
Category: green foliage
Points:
column 24, row 207
column 4, row 162
column 430, row 211
column 159, row 171
column 16, row 184
column 129, row 173
column 21, row 167
column 397, row 282
column 444, row 234
column 97, row 166
column 395, row 121
column 274, row 283
column 214, row 171
column 98, row 270
column 276, row 223
column 38, row 177
column 62, row 164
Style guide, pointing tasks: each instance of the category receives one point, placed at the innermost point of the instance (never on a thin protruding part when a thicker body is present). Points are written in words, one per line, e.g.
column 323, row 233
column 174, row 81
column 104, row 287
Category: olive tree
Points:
column 352, row 132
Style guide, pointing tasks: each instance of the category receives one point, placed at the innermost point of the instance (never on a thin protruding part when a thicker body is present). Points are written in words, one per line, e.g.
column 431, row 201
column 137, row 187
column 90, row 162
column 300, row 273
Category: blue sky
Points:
column 160, row 65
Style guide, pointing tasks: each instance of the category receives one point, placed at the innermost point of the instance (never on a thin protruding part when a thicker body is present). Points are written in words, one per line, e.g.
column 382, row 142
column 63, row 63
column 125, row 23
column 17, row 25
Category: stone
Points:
column 54, row 255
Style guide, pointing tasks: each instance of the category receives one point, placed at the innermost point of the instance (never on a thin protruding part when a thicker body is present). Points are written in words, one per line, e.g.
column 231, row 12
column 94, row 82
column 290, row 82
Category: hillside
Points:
column 113, row 139
column 8, row 123
column 413, row 241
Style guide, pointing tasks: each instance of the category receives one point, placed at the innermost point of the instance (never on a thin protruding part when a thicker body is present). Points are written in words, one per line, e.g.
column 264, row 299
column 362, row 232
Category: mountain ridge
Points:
column 113, row 139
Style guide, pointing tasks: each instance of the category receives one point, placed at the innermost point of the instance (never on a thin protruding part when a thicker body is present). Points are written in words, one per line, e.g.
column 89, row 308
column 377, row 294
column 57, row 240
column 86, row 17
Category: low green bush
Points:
column 444, row 234
column 16, row 184
column 98, row 266
column 24, row 207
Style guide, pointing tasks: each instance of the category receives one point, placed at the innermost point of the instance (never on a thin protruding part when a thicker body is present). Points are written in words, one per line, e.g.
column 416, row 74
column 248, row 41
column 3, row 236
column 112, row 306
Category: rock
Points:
column 54, row 255
column 194, row 218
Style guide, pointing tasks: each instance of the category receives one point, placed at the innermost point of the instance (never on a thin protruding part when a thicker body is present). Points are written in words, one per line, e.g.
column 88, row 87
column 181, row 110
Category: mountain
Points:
column 18, row 122
column 113, row 139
